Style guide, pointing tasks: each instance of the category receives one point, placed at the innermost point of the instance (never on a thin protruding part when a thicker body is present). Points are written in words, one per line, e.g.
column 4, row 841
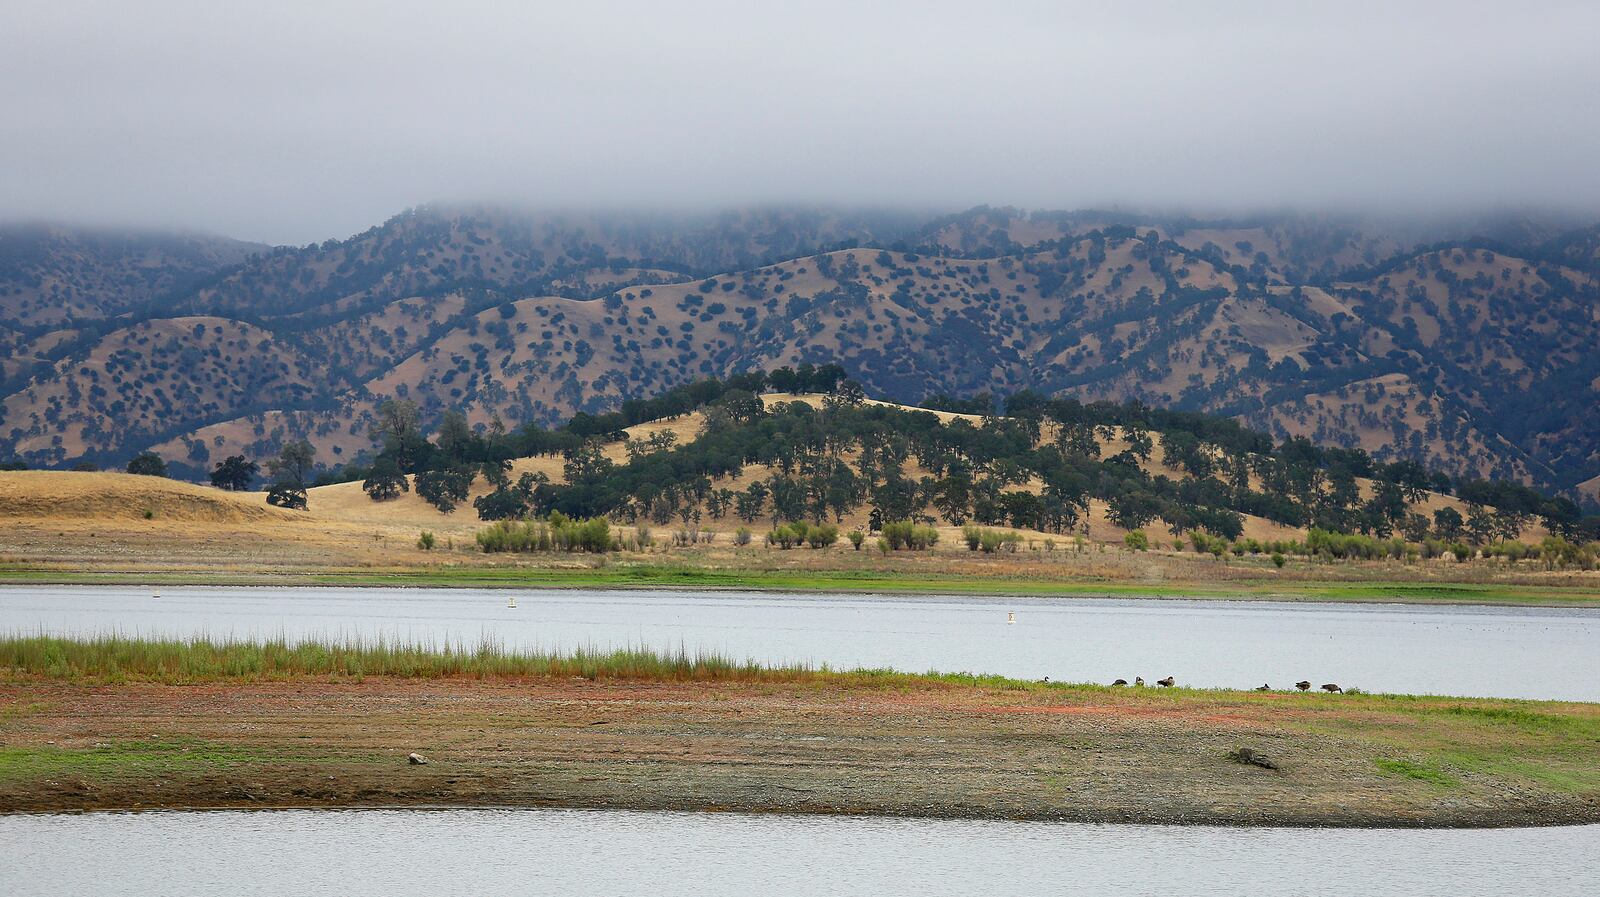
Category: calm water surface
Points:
column 1478, row 651
column 571, row 853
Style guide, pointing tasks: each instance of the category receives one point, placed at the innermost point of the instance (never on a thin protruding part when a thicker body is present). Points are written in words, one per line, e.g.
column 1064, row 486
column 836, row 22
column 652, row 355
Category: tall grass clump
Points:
column 178, row 661
column 557, row 532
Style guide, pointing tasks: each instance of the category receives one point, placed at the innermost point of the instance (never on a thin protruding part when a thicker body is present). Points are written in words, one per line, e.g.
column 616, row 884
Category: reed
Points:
column 116, row 658
column 120, row 658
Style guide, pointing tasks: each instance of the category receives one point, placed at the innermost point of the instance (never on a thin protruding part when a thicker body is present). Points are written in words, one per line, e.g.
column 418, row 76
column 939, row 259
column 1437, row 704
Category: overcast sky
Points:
column 293, row 122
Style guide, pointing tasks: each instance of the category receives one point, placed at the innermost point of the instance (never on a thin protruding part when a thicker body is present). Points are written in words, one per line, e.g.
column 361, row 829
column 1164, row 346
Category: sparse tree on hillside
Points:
column 586, row 464
column 285, row 495
column 748, row 504
column 399, row 428
column 148, row 464
column 291, row 470
column 385, row 481
column 851, row 393
column 445, row 488
column 1414, row 527
column 1139, row 442
column 1480, row 524
column 1447, row 523
column 512, row 502
column 293, row 464
column 456, row 439
column 234, row 473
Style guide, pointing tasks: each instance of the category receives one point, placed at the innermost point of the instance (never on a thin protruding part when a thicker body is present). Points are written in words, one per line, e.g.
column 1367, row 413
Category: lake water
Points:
column 1474, row 651
column 573, row 853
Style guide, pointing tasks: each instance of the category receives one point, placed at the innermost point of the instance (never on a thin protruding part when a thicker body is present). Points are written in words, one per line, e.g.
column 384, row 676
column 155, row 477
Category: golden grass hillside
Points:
column 55, row 495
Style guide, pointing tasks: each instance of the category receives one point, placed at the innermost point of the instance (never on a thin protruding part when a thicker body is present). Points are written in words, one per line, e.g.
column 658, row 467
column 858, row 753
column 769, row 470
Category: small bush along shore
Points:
column 558, row 533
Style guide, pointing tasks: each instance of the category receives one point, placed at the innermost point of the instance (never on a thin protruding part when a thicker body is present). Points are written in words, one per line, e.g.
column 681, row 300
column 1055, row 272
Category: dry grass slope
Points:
column 58, row 495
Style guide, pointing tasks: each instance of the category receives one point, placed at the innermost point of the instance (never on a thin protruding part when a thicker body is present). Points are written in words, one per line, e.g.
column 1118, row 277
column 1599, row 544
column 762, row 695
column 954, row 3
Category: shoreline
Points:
column 1480, row 821
column 836, row 744
column 886, row 585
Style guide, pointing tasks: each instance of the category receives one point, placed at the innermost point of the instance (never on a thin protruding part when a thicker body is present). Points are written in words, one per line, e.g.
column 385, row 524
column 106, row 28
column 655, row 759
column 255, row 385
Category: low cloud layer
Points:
column 296, row 121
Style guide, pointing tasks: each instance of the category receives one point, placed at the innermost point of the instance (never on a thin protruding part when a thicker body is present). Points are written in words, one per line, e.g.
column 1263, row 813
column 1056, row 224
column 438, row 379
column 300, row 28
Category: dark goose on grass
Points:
column 1469, row 651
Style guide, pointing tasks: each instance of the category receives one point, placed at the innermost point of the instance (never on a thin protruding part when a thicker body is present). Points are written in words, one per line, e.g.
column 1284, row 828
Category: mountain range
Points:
column 1470, row 345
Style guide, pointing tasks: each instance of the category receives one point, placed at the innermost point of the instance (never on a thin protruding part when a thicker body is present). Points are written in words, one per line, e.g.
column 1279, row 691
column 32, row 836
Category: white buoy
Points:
column 512, row 602
column 1011, row 618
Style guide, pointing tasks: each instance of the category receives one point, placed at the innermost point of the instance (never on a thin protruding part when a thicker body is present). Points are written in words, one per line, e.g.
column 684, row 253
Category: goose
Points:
column 1303, row 684
column 1138, row 681
column 1264, row 687
column 1167, row 682
column 1045, row 680
column 1120, row 682
column 1332, row 689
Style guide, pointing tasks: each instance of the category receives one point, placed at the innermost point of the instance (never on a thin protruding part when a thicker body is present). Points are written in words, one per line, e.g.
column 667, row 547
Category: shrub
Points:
column 556, row 533
column 742, row 536
column 1278, row 559
column 907, row 536
column 991, row 541
column 1136, row 540
column 425, row 541
column 787, row 535
column 856, row 538
column 1353, row 547
column 972, row 535
column 822, row 535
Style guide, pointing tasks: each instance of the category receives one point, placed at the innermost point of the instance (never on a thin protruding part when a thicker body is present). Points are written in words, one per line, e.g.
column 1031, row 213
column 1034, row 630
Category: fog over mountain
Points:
column 295, row 122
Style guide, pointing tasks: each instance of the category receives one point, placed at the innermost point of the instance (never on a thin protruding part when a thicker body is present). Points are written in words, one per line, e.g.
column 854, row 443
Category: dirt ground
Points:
column 809, row 747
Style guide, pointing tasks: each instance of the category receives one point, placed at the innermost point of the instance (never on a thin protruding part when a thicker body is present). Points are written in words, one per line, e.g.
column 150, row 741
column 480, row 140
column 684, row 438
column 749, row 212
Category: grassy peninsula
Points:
column 126, row 723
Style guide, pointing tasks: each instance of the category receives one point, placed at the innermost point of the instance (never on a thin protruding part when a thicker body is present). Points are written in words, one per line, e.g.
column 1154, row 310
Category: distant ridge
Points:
column 1470, row 351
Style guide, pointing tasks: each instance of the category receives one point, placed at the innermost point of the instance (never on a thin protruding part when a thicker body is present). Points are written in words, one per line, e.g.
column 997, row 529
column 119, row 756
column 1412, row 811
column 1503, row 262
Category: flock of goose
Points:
column 1303, row 685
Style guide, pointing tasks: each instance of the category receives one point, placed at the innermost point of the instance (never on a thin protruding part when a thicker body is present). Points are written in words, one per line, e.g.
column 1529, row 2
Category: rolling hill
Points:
column 1469, row 347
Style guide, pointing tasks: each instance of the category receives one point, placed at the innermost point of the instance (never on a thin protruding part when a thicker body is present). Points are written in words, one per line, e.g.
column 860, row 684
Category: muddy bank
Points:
column 803, row 747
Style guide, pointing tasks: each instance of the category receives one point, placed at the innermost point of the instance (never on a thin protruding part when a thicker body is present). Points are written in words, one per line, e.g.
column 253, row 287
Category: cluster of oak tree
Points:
column 1035, row 467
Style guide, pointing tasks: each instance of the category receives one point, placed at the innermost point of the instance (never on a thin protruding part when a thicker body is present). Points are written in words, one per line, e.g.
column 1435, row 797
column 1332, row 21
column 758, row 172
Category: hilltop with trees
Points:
column 730, row 455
